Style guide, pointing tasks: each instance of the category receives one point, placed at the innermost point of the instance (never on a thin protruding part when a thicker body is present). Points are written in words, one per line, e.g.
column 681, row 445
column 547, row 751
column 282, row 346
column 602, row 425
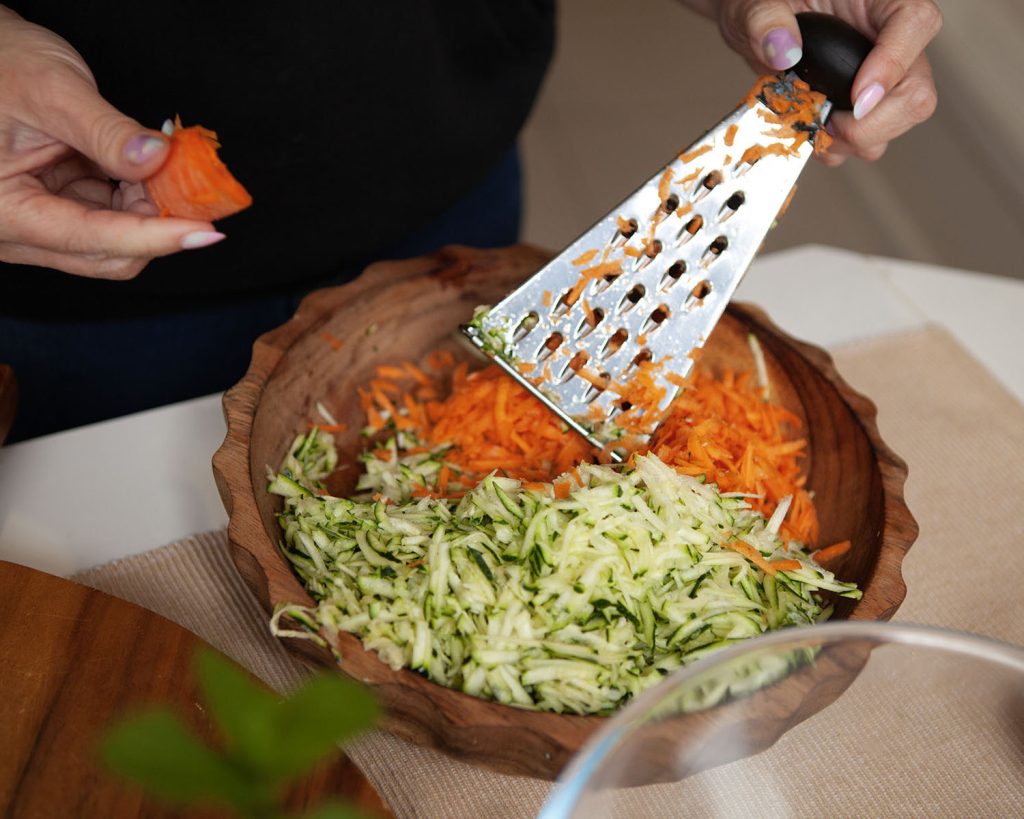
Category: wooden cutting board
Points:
column 71, row 660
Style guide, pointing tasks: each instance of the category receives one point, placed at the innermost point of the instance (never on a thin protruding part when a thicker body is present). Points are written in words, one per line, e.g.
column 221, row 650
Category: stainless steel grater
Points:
column 651, row 279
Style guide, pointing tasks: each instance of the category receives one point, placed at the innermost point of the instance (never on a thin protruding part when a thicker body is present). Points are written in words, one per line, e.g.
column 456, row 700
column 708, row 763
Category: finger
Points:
column 75, row 166
column 68, row 107
column 97, row 267
column 763, row 30
column 143, row 207
column 133, row 193
column 904, row 29
column 92, row 193
column 830, row 159
column 911, row 102
column 49, row 222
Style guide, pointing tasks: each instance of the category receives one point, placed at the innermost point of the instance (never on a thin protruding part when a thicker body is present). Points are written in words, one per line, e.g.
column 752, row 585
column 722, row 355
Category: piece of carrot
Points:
column 754, row 556
column 193, row 183
column 831, row 552
column 332, row 340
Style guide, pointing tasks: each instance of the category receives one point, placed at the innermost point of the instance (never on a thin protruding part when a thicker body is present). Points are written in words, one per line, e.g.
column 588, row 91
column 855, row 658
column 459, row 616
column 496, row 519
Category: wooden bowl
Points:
column 399, row 311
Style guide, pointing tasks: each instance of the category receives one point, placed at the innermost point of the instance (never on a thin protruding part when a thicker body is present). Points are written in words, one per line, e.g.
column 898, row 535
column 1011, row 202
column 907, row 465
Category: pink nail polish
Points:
column 781, row 50
column 200, row 238
column 142, row 148
column 867, row 100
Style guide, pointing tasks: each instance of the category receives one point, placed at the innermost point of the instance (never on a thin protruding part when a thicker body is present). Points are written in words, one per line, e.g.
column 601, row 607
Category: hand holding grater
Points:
column 624, row 307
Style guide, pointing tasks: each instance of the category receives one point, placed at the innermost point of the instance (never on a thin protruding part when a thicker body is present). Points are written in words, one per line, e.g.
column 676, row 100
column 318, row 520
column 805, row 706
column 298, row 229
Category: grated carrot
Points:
column 440, row 360
column 724, row 429
column 759, row 560
column 332, row 340
column 585, row 258
column 720, row 428
column 832, row 552
column 691, row 155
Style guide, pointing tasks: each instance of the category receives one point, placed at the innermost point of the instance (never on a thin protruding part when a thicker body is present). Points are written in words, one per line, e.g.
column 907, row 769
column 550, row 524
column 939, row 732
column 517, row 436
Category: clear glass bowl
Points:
column 841, row 719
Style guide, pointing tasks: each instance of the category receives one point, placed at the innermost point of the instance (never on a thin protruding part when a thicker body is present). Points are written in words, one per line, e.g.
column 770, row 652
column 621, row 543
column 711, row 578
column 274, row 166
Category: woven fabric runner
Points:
column 962, row 435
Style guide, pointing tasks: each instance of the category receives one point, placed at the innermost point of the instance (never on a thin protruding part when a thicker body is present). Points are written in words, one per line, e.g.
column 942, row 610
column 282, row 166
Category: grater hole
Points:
column 553, row 342
column 598, row 384
column 732, row 204
column 627, row 227
column 708, row 184
column 564, row 303
column 607, row 281
column 670, row 204
column 715, row 249
column 579, row 361
column 573, row 366
column 631, row 299
column 690, row 229
column 656, row 319
column 523, row 330
column 614, row 343
column 701, row 291
column 624, row 405
column 589, row 322
column 674, row 273
column 747, row 161
column 640, row 358
column 650, row 252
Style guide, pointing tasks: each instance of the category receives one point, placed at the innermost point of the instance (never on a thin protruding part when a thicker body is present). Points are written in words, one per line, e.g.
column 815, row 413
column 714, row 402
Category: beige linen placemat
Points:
column 963, row 437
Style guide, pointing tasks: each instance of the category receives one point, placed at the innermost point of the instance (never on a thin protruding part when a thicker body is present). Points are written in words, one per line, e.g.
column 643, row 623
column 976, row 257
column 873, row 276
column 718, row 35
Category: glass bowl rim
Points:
column 575, row 775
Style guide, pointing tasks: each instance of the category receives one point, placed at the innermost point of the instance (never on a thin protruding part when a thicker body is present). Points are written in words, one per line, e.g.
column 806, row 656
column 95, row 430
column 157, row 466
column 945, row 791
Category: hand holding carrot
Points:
column 61, row 145
column 894, row 90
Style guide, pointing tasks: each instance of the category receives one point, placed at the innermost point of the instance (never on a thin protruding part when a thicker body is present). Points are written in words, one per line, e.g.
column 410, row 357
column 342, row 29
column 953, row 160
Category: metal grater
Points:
column 683, row 241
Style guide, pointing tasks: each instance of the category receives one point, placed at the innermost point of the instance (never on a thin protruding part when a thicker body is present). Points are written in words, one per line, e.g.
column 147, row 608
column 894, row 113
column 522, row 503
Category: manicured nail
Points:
column 867, row 100
column 781, row 49
column 142, row 148
column 200, row 238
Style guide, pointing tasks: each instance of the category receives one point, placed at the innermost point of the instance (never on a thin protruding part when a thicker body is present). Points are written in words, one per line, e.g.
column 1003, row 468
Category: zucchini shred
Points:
column 521, row 594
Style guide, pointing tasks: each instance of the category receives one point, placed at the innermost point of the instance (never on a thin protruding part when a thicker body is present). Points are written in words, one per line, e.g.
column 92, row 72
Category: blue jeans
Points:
column 74, row 373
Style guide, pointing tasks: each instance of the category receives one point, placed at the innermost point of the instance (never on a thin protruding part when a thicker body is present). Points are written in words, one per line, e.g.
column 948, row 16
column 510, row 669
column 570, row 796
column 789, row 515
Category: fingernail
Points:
column 867, row 100
column 830, row 128
column 142, row 148
column 200, row 238
column 781, row 49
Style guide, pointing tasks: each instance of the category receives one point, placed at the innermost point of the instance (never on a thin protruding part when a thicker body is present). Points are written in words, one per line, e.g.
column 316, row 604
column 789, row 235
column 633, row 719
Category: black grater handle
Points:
column 833, row 54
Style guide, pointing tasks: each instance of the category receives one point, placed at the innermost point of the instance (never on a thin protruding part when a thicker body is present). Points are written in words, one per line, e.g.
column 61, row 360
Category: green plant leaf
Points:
column 154, row 749
column 327, row 710
column 335, row 810
column 243, row 709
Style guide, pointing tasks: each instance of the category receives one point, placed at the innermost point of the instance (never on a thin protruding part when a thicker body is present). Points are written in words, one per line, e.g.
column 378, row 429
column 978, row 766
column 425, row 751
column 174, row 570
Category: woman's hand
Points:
column 61, row 144
column 893, row 91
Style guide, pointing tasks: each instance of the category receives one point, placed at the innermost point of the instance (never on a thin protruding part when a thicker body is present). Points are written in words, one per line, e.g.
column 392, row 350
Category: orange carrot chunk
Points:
column 193, row 183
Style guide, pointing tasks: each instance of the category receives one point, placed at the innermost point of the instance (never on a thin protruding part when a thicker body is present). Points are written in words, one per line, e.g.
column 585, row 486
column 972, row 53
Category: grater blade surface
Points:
column 648, row 282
